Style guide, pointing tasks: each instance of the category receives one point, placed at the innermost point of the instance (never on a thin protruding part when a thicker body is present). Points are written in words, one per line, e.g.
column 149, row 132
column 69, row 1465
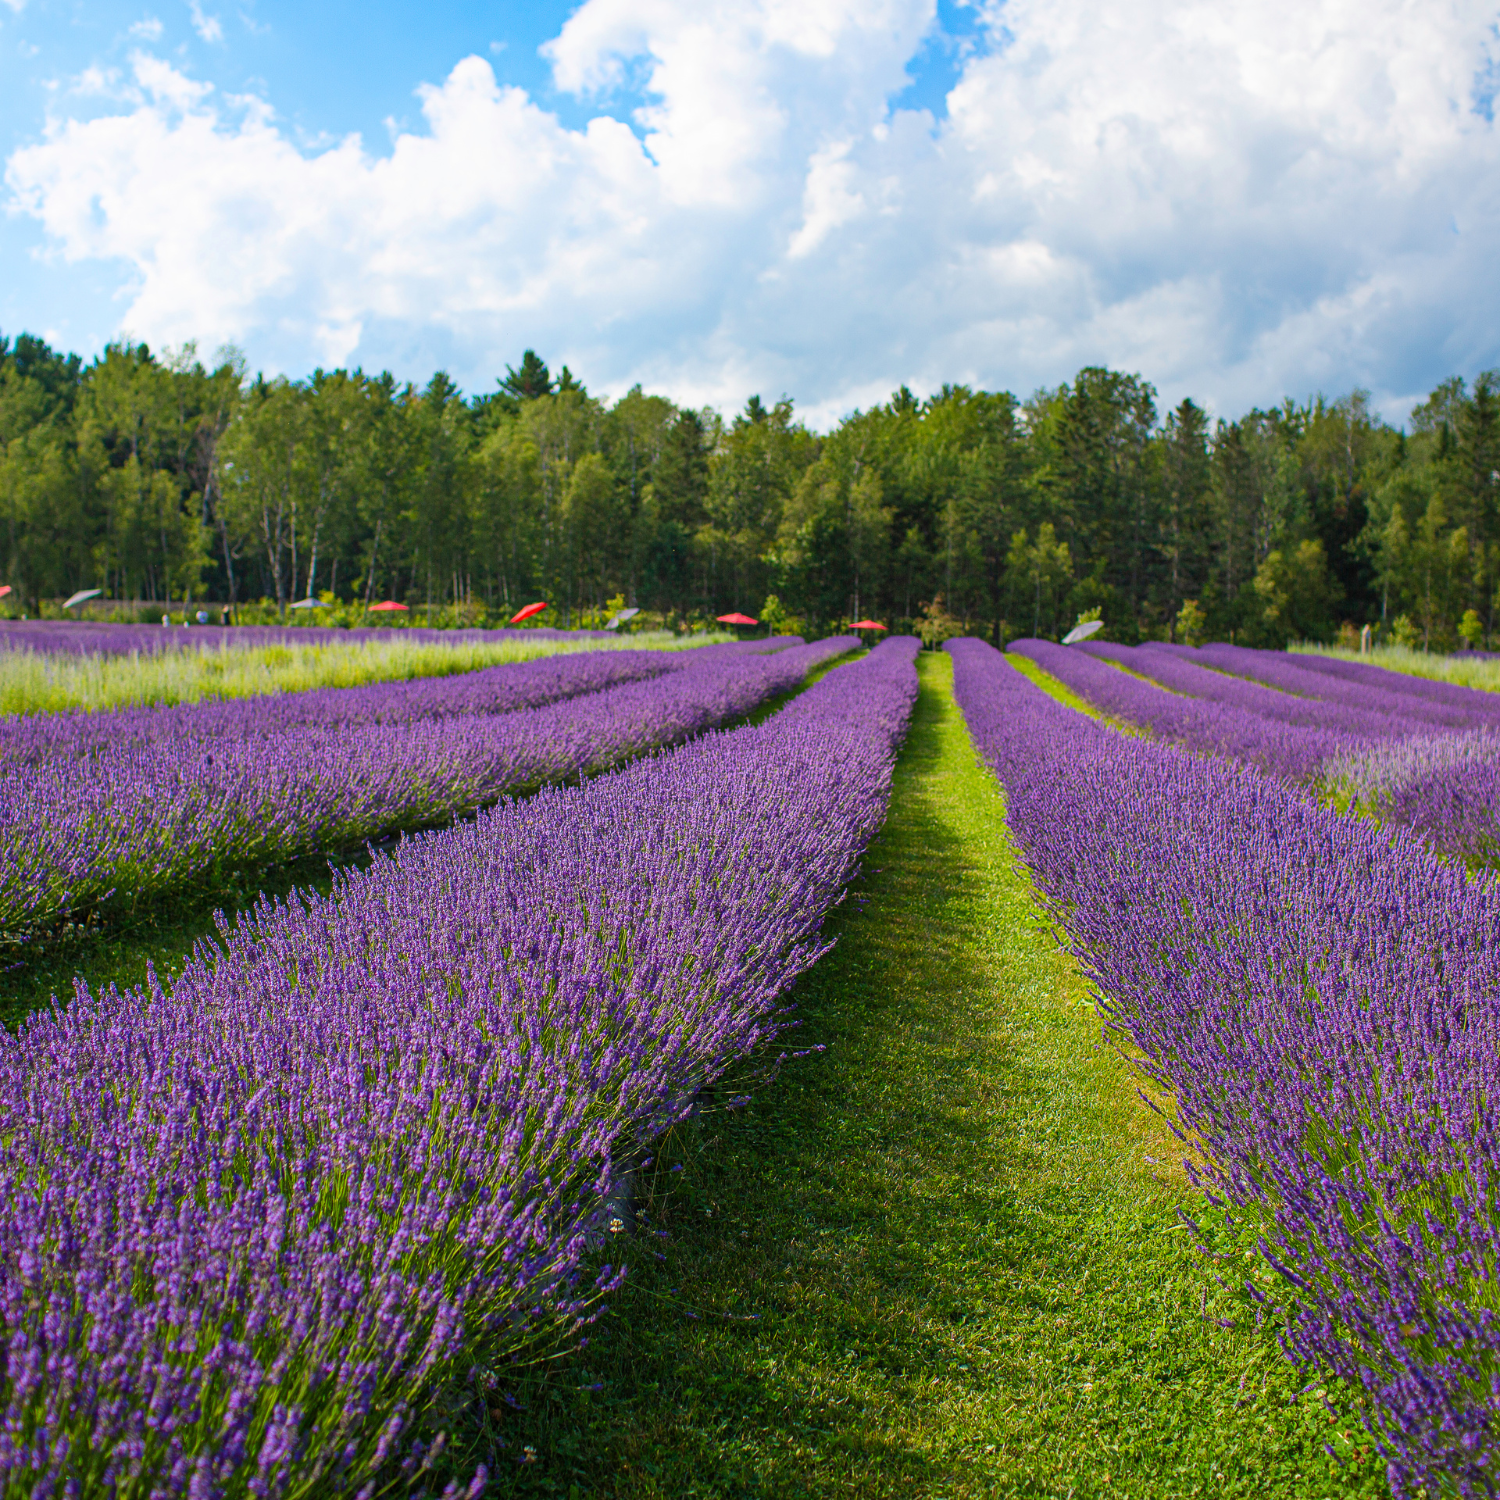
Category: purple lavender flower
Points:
column 1352, row 684
column 262, row 779
column 1321, row 998
column 1292, row 751
column 249, row 1222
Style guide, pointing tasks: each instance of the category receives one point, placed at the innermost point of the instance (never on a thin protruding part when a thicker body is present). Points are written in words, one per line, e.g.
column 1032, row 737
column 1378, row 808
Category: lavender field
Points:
column 49, row 666
column 1315, row 996
column 1404, row 751
column 698, row 1084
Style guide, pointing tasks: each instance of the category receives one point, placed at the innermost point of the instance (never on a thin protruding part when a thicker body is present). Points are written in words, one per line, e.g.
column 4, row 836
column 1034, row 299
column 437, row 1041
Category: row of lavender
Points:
column 98, row 638
column 252, row 1223
column 34, row 738
column 1425, row 755
column 142, row 814
column 1320, row 998
column 1442, row 783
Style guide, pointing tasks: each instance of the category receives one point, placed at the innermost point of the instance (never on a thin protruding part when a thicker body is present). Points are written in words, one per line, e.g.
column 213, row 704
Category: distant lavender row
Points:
column 98, row 638
column 1350, row 684
column 1293, row 752
column 486, row 690
column 35, row 738
column 145, row 817
column 1421, row 687
column 1376, row 748
column 254, row 1221
column 1321, row 998
column 1444, row 786
column 1346, row 714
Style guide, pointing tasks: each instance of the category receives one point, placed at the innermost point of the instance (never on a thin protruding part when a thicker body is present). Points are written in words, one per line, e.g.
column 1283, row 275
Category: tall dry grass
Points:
column 1464, row 671
column 33, row 682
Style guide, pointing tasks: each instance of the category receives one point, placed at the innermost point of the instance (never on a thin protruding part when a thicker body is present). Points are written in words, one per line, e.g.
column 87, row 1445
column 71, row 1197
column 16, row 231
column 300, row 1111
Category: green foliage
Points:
column 935, row 625
column 158, row 480
column 1040, row 572
column 1296, row 595
column 775, row 619
column 1191, row 624
column 532, row 380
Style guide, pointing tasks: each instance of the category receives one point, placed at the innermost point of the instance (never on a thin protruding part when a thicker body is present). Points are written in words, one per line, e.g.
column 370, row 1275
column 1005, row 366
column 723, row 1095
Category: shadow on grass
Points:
column 161, row 932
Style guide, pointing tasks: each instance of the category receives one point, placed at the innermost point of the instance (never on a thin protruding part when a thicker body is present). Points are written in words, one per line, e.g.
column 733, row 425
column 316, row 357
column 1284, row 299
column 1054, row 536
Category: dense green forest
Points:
column 158, row 479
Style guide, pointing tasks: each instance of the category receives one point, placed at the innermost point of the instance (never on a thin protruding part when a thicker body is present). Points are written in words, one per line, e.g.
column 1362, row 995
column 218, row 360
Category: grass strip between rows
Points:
column 940, row 1257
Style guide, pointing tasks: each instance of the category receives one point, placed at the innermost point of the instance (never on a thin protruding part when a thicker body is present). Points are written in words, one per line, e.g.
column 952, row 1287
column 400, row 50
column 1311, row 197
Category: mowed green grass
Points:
column 941, row 1257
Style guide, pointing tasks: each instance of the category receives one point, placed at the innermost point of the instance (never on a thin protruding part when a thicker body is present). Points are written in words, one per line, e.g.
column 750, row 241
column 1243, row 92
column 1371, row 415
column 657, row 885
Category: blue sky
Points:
column 328, row 68
column 1240, row 199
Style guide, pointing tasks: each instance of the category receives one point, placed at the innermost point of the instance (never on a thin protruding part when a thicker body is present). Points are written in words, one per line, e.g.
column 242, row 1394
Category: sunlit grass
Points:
column 939, row 1257
column 36, row 682
column 1069, row 699
column 1477, row 673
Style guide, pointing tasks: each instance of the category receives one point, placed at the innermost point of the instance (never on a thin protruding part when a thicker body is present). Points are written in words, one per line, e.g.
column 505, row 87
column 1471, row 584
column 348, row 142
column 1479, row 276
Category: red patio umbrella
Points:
column 386, row 604
column 526, row 614
column 867, row 625
column 4, row 589
column 737, row 619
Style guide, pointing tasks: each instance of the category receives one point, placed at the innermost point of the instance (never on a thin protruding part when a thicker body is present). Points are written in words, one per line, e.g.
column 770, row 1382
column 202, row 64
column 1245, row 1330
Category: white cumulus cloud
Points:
column 207, row 27
column 1239, row 198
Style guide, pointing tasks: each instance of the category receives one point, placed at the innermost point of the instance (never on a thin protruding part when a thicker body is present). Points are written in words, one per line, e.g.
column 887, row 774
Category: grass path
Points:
column 940, row 1258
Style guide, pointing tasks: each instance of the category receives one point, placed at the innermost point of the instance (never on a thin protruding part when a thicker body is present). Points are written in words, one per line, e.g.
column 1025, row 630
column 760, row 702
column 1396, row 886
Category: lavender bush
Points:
column 1321, row 999
column 1445, row 788
column 34, row 738
column 254, row 1223
column 1339, row 714
column 1403, row 758
column 1352, row 684
column 35, row 682
column 1293, row 752
column 1424, row 755
column 142, row 816
column 1455, row 808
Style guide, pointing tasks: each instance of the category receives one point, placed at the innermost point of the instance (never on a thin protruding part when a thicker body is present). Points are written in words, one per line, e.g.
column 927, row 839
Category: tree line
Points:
column 162, row 479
